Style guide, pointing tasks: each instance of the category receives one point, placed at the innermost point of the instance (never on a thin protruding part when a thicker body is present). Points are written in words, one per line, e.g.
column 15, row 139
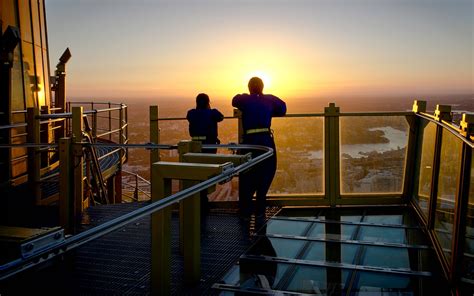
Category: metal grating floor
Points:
column 119, row 263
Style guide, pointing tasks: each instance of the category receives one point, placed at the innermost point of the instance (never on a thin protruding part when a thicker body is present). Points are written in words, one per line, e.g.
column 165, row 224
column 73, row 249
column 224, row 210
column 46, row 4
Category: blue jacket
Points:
column 203, row 122
column 257, row 112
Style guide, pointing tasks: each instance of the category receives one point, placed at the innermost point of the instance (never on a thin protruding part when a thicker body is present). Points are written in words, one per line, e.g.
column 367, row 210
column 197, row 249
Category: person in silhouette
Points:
column 257, row 112
column 203, row 122
column 203, row 127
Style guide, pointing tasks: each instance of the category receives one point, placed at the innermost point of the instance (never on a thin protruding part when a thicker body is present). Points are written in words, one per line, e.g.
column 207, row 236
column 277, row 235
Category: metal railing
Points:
column 21, row 264
column 48, row 125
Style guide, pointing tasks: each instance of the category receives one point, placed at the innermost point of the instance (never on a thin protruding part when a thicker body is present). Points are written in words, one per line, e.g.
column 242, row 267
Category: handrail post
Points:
column 331, row 154
column 184, row 147
column 66, row 181
column 110, row 122
column 126, row 131
column 415, row 136
column 94, row 122
column 78, row 163
column 60, row 88
column 240, row 127
column 45, row 136
column 34, row 159
column 154, row 134
column 462, row 202
column 160, row 236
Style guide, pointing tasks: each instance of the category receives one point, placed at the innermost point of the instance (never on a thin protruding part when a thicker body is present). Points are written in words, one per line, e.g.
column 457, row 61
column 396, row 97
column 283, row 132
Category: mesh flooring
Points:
column 119, row 263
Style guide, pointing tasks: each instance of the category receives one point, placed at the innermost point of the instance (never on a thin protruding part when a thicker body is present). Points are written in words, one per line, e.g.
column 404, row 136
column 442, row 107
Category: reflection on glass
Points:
column 29, row 79
column 369, row 282
column 373, row 152
column 468, row 261
column 447, row 184
column 384, row 219
column 426, row 166
column 259, row 274
column 287, row 227
column 25, row 22
column 277, row 247
column 299, row 143
column 382, row 234
column 36, row 22
column 386, row 257
column 39, row 87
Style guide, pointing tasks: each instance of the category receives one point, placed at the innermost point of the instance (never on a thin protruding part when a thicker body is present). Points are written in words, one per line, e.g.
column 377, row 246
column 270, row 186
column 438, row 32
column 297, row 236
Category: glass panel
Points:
column 258, row 274
column 47, row 86
column 369, row 282
column 468, row 261
column 382, row 234
column 426, row 165
column 317, row 280
column 28, row 73
column 338, row 231
column 277, row 247
column 36, row 23
column 299, row 143
column 384, row 219
column 287, row 227
column 39, row 76
column 373, row 152
column 8, row 13
column 25, row 21
column 386, row 257
column 447, row 185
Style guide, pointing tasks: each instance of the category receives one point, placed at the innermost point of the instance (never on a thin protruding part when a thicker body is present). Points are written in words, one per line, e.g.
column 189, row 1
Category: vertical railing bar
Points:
column 110, row 122
column 460, row 213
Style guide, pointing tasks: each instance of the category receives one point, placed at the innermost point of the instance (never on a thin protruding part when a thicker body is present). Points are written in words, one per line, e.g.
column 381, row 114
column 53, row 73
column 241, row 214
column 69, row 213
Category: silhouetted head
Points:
column 255, row 85
column 202, row 101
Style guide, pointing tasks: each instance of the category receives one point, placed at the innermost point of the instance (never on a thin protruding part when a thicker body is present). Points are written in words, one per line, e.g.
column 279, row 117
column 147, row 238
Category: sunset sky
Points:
column 314, row 48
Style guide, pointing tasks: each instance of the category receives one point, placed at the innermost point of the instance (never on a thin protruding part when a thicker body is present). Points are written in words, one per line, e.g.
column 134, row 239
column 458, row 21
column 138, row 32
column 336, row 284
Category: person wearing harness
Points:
column 203, row 122
column 203, row 127
column 257, row 112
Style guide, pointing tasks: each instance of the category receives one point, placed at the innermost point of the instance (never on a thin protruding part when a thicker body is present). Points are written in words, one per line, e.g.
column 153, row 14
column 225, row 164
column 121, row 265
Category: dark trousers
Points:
column 258, row 179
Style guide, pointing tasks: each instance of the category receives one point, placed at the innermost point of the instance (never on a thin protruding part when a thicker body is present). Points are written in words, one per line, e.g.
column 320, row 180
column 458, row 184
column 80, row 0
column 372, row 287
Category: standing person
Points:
column 257, row 112
column 203, row 122
column 203, row 127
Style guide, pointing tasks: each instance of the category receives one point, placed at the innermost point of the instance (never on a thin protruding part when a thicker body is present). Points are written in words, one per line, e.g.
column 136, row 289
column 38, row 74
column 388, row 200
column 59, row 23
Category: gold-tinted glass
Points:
column 448, row 180
column 36, row 22
column 428, row 135
column 25, row 21
column 39, row 89
column 8, row 13
column 29, row 79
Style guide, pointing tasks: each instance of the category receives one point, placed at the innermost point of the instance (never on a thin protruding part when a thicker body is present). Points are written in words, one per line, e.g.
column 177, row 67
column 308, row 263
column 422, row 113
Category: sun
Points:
column 262, row 75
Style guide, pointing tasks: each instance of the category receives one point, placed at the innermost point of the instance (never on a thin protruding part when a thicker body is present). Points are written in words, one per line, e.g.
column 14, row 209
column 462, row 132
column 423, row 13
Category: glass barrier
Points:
column 425, row 160
column 300, row 153
column 468, row 260
column 373, row 153
column 447, row 185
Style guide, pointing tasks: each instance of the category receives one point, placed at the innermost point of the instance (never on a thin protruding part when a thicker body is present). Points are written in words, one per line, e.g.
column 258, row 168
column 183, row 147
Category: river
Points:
column 397, row 139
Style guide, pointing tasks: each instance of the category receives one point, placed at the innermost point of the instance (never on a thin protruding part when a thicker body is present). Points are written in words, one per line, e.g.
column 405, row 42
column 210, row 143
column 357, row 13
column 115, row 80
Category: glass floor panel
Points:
column 312, row 256
column 415, row 259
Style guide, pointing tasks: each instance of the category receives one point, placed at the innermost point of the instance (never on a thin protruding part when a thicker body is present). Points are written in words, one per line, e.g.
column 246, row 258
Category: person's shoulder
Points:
column 241, row 96
column 272, row 97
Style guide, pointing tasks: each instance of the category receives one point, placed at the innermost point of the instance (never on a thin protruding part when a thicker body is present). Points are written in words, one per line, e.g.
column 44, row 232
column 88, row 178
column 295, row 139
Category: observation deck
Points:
column 386, row 219
column 362, row 203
